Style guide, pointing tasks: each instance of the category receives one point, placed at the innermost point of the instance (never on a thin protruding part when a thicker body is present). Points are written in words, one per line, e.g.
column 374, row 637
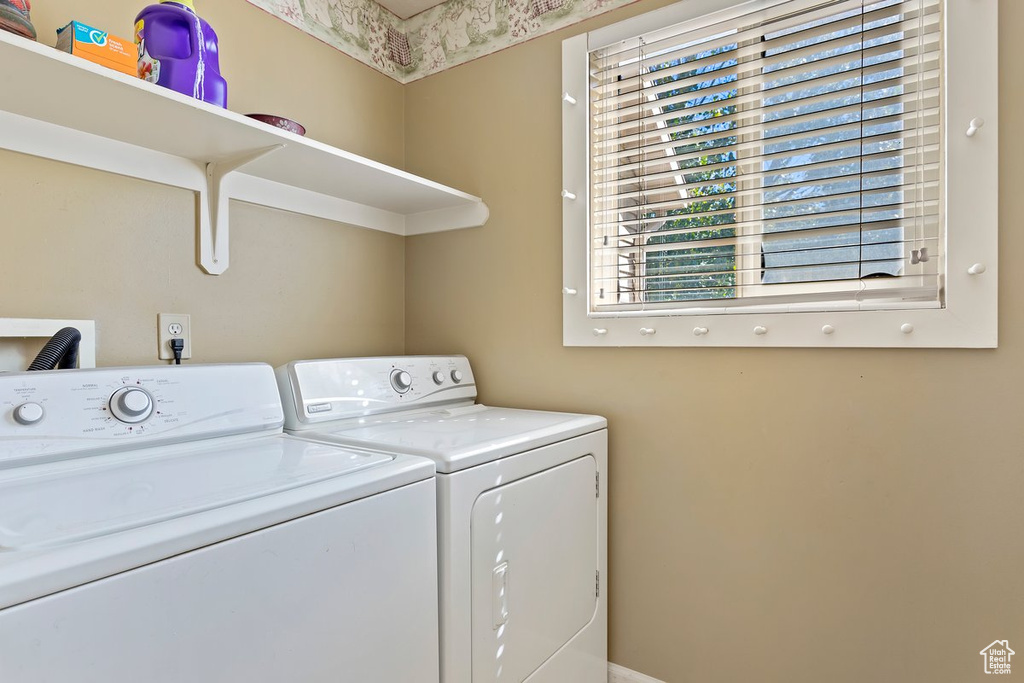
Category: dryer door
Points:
column 534, row 569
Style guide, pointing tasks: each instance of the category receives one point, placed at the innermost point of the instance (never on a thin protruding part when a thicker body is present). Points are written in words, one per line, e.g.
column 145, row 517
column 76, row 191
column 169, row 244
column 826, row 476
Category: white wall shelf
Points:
column 61, row 107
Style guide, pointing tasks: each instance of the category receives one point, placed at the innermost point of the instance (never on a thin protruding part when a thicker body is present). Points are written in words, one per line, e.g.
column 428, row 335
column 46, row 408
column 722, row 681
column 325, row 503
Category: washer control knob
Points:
column 131, row 405
column 438, row 377
column 28, row 413
column 401, row 381
column 457, row 376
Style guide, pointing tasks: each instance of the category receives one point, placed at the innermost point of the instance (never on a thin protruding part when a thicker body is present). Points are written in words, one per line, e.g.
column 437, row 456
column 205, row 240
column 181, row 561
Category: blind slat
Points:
column 716, row 142
column 738, row 68
column 922, row 224
column 908, row 210
column 752, row 153
column 742, row 30
column 873, row 26
column 853, row 286
column 909, row 96
column 741, row 94
column 773, row 180
column 691, row 253
column 752, row 168
column 693, row 277
column 867, row 296
column 686, row 208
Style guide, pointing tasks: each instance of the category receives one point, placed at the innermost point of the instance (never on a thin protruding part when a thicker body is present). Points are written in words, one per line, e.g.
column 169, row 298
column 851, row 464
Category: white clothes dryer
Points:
column 157, row 526
column 522, row 515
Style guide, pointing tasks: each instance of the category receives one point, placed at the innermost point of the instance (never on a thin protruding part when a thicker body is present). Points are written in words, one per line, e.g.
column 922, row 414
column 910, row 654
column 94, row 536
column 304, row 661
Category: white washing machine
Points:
column 157, row 526
column 522, row 516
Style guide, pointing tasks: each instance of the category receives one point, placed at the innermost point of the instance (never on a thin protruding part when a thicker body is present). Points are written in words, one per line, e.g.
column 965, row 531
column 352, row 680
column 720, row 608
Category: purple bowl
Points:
column 280, row 122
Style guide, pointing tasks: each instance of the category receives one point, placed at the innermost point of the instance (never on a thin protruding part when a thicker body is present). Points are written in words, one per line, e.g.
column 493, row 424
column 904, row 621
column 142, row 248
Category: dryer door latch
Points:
column 499, row 595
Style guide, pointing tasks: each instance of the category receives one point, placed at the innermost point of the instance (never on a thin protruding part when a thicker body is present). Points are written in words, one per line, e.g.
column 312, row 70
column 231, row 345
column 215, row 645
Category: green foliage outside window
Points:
column 705, row 271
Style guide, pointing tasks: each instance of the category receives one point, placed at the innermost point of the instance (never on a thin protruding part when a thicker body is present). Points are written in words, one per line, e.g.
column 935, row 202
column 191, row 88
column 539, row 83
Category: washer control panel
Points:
column 54, row 415
column 324, row 390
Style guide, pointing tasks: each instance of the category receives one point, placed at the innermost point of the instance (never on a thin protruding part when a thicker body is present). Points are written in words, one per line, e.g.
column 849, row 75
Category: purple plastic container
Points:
column 178, row 50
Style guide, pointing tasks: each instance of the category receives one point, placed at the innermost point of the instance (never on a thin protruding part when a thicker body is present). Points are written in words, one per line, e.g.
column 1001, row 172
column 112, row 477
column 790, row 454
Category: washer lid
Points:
column 48, row 505
column 466, row 436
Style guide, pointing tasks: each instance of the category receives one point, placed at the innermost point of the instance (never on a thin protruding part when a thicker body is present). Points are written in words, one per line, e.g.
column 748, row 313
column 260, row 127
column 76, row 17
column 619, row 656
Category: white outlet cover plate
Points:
column 164, row 335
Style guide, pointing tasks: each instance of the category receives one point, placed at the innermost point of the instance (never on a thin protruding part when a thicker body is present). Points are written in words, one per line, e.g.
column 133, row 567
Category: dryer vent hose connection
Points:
column 60, row 352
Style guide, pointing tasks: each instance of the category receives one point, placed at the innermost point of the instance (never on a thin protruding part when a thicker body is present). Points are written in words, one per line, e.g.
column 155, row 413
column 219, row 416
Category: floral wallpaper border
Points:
column 446, row 35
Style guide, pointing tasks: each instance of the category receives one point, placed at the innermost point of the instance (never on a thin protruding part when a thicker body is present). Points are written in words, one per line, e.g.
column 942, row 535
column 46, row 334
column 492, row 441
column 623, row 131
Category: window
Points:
column 783, row 172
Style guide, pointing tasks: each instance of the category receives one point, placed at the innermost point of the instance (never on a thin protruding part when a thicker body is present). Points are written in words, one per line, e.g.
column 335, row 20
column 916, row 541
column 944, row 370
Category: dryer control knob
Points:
column 438, row 377
column 131, row 405
column 457, row 376
column 28, row 413
column 401, row 381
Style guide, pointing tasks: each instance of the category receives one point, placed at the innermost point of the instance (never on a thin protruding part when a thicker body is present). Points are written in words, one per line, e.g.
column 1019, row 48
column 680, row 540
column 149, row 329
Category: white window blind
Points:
column 790, row 155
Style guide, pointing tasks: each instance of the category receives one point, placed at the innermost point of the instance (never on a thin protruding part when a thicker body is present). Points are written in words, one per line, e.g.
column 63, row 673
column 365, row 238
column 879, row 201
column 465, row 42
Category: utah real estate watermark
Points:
column 997, row 657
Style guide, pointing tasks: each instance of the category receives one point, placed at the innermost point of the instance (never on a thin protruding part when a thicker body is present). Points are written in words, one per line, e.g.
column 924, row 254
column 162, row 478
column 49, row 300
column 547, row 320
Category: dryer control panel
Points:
column 318, row 391
column 65, row 413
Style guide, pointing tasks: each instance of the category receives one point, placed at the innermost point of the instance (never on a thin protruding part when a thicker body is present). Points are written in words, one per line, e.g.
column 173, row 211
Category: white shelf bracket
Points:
column 213, row 218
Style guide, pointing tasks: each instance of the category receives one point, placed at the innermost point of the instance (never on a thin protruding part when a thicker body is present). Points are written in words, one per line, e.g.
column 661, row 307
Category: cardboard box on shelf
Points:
column 99, row 47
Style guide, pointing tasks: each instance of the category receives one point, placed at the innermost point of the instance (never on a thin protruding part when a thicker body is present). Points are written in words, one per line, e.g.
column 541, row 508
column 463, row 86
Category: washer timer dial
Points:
column 401, row 380
column 131, row 405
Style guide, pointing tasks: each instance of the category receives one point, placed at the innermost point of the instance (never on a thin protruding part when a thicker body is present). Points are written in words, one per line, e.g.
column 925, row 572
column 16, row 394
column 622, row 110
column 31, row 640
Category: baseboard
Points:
column 620, row 674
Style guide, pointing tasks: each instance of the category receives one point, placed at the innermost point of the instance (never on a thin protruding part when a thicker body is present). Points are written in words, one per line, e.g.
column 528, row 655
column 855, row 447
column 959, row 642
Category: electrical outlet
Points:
column 173, row 326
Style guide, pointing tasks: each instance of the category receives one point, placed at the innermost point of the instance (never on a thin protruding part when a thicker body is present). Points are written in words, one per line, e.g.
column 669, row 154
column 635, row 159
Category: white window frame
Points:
column 970, row 191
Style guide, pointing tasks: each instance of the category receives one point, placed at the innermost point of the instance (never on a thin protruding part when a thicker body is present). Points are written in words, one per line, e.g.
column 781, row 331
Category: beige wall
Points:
column 84, row 244
column 777, row 515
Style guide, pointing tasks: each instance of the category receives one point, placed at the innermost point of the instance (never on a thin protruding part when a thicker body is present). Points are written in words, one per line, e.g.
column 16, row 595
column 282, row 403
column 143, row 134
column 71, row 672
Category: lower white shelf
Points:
column 50, row 141
column 58, row 106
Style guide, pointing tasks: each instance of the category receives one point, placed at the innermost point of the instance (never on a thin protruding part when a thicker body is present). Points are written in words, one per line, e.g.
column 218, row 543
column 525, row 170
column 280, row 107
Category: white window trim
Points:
column 969, row 318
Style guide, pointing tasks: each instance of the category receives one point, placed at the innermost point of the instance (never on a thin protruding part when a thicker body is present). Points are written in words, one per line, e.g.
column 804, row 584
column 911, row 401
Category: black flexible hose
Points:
column 60, row 352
